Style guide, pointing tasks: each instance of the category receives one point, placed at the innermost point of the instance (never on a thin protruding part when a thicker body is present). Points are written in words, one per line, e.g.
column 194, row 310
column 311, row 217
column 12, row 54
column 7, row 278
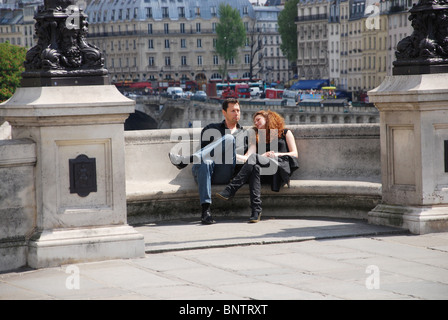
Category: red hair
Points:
column 274, row 121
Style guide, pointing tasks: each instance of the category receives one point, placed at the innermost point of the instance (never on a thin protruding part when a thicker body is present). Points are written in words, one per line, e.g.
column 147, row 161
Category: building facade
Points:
column 164, row 40
column 274, row 66
column 361, row 42
column 312, row 39
column 17, row 22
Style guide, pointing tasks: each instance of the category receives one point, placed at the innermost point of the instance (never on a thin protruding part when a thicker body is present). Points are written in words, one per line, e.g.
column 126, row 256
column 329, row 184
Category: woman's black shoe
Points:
column 207, row 218
column 255, row 217
column 225, row 194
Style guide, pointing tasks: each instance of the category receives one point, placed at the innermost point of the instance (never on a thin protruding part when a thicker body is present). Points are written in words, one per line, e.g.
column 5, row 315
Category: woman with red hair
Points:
column 272, row 157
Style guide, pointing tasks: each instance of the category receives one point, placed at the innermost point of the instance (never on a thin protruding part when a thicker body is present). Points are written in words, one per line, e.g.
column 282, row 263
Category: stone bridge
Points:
column 156, row 112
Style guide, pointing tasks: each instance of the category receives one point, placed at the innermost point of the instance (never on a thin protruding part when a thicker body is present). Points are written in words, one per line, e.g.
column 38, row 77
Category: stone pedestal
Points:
column 80, row 172
column 414, row 152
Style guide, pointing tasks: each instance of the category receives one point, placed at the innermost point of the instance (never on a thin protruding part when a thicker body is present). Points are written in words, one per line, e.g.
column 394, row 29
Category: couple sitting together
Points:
column 229, row 154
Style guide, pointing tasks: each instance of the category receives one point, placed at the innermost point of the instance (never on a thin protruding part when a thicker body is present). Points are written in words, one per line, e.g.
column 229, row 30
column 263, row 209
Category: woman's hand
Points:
column 269, row 154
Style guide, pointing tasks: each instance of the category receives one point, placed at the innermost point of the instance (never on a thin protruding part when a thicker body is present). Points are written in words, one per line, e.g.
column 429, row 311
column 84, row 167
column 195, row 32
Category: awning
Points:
column 140, row 85
column 309, row 84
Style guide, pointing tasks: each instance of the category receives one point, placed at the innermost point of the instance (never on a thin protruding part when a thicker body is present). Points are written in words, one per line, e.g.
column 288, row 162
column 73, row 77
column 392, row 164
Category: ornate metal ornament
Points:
column 426, row 49
column 62, row 55
column 82, row 175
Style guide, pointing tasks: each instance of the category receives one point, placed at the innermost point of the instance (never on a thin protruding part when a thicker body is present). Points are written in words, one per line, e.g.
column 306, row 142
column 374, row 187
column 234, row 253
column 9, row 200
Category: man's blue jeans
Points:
column 213, row 167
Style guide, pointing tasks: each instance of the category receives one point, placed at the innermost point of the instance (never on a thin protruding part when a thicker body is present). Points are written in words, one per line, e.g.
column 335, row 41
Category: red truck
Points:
column 274, row 93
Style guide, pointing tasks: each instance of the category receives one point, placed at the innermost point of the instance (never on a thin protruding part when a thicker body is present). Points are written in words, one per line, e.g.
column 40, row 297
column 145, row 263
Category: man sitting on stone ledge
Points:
column 222, row 144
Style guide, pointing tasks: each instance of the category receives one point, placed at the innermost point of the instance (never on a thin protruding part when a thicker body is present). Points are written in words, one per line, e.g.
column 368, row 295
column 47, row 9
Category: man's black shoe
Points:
column 177, row 161
column 207, row 218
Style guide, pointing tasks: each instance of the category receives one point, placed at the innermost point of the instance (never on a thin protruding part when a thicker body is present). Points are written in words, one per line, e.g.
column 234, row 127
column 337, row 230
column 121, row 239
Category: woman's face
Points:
column 260, row 122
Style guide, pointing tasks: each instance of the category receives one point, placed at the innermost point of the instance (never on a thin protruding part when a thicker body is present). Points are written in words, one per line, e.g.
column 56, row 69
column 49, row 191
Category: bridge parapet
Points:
column 181, row 113
column 339, row 176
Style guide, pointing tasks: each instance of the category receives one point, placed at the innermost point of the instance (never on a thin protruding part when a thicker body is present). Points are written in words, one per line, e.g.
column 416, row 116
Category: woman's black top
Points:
column 286, row 164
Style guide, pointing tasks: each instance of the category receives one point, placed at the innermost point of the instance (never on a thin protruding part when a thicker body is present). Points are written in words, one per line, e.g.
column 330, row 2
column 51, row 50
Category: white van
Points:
column 255, row 91
column 175, row 92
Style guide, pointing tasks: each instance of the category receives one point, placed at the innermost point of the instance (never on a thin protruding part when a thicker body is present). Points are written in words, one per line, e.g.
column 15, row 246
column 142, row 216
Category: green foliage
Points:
column 11, row 68
column 231, row 34
column 288, row 29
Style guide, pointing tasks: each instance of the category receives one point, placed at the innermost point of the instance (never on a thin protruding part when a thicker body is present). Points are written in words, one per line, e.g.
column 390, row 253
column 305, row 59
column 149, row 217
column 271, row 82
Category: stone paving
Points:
column 276, row 259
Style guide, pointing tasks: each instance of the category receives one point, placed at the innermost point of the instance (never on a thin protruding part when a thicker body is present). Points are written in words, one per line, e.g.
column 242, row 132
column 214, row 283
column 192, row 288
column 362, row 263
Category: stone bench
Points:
column 339, row 176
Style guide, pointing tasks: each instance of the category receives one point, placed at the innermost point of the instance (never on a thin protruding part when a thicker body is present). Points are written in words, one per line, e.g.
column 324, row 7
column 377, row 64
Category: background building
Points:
column 362, row 38
column 312, row 33
column 17, row 21
column 171, row 41
column 274, row 66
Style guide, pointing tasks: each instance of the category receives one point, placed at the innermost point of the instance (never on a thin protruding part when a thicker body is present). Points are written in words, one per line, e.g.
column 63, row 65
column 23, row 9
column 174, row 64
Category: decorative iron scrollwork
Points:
column 62, row 49
column 426, row 49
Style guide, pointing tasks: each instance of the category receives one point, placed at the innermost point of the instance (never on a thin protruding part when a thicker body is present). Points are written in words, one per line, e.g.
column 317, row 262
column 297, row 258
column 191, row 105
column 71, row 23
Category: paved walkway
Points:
column 275, row 259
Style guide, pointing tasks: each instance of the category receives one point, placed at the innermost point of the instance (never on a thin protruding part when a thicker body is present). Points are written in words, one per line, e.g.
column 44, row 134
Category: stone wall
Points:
column 17, row 200
column 339, row 175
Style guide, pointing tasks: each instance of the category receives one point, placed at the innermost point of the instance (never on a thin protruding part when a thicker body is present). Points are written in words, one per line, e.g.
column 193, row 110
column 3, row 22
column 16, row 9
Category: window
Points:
column 149, row 12
column 198, row 27
column 167, row 61
column 182, row 28
column 213, row 11
column 199, row 43
column 167, row 43
column 166, row 28
column 183, row 60
column 165, row 13
column 183, row 43
column 199, row 60
column 150, row 44
column 215, row 60
column 149, row 28
column 151, row 61
column 181, row 12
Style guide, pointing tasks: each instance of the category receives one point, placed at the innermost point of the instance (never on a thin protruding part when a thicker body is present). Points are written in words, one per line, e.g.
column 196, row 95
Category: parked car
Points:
column 199, row 95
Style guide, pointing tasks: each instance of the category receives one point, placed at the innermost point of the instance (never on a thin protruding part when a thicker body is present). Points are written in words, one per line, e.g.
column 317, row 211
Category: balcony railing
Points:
column 313, row 17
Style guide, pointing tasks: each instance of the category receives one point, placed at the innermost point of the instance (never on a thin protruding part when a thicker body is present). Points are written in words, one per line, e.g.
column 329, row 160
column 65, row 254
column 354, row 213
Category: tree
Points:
column 231, row 34
column 288, row 30
column 11, row 68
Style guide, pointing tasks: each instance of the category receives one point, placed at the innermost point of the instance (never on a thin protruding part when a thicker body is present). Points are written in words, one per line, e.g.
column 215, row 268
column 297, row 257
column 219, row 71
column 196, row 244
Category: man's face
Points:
column 232, row 115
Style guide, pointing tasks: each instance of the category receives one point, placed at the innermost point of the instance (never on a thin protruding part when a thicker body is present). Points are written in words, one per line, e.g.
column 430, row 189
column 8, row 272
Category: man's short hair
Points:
column 228, row 101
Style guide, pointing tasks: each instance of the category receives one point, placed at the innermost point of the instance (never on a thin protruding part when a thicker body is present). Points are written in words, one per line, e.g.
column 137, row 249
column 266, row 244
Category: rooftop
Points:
column 137, row 9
